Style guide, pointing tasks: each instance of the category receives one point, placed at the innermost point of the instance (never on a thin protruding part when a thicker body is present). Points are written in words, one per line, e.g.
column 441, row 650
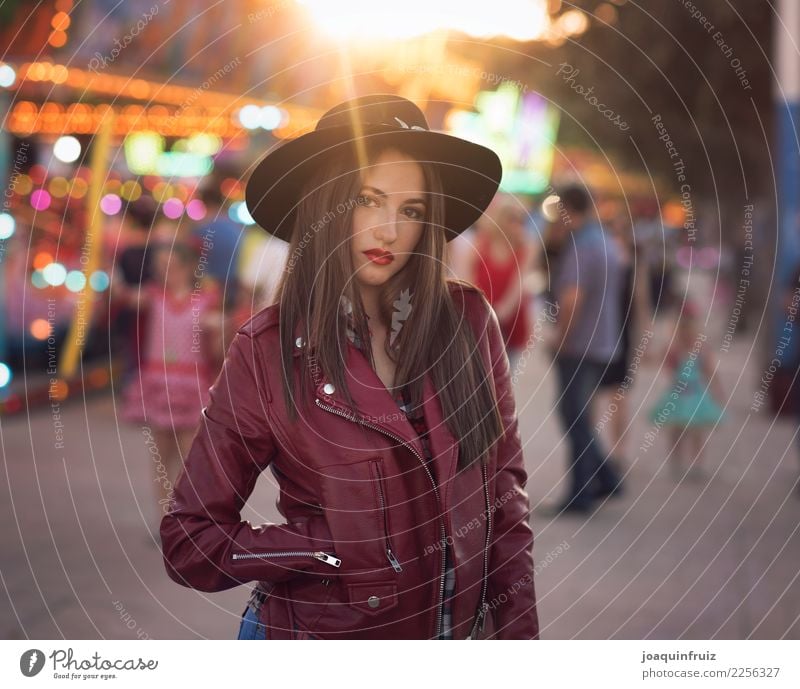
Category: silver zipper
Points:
column 389, row 554
column 355, row 419
column 480, row 618
column 318, row 554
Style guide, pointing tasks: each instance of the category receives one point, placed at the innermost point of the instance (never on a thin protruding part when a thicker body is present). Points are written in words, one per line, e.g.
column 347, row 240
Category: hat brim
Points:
column 470, row 173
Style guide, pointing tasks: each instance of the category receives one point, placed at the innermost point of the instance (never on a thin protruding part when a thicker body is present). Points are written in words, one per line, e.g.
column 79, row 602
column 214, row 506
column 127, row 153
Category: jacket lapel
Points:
column 375, row 406
column 444, row 447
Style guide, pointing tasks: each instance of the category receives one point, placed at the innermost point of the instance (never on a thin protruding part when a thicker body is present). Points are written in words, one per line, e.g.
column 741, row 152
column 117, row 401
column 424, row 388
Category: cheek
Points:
column 359, row 235
column 410, row 241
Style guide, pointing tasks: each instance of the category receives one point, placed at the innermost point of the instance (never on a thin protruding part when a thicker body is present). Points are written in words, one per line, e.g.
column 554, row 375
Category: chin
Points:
column 369, row 274
column 372, row 280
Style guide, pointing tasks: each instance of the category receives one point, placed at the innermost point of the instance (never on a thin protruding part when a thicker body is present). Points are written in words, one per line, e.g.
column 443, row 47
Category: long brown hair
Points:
column 433, row 337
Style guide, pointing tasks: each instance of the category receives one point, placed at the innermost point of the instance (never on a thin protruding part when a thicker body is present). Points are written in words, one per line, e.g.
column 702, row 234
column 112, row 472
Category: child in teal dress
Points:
column 689, row 407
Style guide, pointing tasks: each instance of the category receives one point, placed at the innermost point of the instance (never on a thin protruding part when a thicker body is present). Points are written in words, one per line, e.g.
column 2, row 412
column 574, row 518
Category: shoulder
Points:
column 470, row 301
column 465, row 294
column 261, row 321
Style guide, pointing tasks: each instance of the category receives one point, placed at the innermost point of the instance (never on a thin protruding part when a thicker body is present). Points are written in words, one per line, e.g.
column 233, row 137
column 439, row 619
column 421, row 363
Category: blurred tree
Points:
column 648, row 58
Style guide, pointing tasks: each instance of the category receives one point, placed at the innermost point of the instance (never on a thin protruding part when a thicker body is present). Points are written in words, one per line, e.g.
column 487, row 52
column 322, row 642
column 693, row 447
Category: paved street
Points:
column 693, row 560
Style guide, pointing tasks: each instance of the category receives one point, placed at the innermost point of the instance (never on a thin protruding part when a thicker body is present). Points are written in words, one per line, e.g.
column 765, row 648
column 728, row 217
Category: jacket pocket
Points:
column 372, row 597
column 377, row 473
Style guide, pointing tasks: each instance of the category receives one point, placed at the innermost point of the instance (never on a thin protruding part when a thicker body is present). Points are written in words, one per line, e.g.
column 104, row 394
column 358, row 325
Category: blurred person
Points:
column 248, row 302
column 784, row 390
column 171, row 386
column 134, row 262
column 784, row 393
column 502, row 262
column 554, row 236
column 587, row 286
column 261, row 266
column 461, row 253
column 220, row 237
column 657, row 240
column 691, row 404
column 370, row 383
column 612, row 397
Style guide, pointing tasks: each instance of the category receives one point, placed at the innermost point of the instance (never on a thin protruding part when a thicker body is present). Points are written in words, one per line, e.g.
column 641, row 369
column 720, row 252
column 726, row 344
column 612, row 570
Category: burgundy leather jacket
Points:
column 362, row 552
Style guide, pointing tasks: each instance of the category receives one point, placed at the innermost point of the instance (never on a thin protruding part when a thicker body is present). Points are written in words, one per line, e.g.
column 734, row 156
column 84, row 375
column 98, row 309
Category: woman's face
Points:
column 389, row 217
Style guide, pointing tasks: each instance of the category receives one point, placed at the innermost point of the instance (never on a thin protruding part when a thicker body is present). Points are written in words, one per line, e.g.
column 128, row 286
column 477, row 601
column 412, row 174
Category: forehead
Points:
column 394, row 172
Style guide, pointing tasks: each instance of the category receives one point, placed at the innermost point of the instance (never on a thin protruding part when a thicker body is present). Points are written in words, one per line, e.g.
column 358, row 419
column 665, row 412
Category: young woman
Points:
column 379, row 395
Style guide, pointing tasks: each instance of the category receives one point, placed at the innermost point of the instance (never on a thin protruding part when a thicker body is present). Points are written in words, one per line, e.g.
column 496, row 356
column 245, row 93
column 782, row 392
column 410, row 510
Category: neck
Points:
column 370, row 300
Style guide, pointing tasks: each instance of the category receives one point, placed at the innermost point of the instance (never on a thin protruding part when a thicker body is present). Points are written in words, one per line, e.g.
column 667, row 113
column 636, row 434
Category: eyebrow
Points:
column 383, row 193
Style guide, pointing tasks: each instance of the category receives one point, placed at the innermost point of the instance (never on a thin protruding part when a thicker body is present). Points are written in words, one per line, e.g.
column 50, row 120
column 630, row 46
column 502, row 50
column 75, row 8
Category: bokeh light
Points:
column 7, row 225
column 67, row 149
column 173, row 208
column 37, row 279
column 40, row 328
column 40, row 200
column 75, row 281
column 196, row 209
column 5, row 374
column 99, row 281
column 7, row 76
column 54, row 274
column 111, row 204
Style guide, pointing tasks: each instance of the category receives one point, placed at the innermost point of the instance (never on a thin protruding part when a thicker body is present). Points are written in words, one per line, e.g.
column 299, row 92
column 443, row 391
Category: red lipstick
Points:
column 380, row 256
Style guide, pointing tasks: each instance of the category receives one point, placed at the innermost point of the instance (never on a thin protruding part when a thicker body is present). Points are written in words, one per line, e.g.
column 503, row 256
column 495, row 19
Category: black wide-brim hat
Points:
column 470, row 173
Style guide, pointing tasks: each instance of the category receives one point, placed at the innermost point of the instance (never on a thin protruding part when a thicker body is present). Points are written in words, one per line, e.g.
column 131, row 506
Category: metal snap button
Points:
column 373, row 601
column 328, row 389
column 299, row 342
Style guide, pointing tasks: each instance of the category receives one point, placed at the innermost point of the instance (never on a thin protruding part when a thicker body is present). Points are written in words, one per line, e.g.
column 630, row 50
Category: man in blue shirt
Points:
column 587, row 284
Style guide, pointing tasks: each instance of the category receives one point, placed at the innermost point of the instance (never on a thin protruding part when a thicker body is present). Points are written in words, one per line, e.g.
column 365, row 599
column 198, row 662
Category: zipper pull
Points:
column 393, row 560
column 330, row 559
column 482, row 619
column 477, row 627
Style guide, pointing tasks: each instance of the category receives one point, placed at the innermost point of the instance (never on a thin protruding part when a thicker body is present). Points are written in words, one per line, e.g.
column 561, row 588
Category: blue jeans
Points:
column 578, row 381
column 250, row 628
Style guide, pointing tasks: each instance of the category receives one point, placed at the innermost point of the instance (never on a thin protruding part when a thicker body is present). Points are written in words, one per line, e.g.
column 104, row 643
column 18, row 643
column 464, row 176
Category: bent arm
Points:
column 203, row 536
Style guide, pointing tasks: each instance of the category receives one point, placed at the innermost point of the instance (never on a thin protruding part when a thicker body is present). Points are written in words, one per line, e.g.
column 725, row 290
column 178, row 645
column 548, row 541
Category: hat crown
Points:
column 387, row 109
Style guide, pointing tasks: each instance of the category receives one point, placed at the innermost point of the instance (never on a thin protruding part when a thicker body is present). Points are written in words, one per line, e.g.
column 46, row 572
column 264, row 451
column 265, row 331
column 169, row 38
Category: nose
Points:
column 386, row 230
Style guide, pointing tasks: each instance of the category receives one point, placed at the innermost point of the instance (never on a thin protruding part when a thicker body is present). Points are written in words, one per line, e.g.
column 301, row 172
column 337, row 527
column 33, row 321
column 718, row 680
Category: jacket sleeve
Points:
column 203, row 530
column 510, row 592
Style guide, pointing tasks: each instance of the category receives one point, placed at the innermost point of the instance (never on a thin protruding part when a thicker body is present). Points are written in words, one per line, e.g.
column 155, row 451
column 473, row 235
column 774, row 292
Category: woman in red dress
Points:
column 502, row 262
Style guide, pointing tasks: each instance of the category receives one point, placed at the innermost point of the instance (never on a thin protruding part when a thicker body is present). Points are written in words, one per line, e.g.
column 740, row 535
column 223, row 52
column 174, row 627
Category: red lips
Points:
column 380, row 256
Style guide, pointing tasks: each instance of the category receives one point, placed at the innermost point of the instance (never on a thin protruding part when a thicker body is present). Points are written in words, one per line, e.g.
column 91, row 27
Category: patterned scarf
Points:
column 400, row 397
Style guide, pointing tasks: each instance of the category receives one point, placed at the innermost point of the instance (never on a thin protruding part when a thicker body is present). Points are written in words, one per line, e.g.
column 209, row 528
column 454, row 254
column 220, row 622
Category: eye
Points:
column 414, row 213
column 365, row 199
